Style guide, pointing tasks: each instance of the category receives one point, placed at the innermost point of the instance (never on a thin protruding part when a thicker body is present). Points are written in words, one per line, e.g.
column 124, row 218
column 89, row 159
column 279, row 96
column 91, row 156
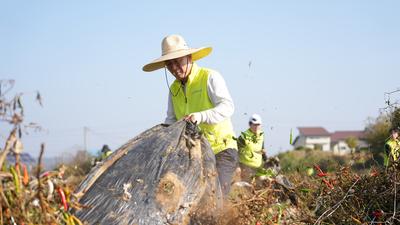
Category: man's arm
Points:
column 171, row 118
column 264, row 152
column 241, row 143
column 221, row 99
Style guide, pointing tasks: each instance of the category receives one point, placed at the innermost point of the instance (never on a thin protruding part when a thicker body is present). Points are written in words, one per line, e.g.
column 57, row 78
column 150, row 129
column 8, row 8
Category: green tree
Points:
column 77, row 167
column 395, row 117
column 377, row 131
column 352, row 142
column 318, row 147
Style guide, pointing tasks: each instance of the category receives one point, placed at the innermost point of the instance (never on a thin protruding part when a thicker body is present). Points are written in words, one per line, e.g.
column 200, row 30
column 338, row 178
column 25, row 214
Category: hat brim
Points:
column 197, row 53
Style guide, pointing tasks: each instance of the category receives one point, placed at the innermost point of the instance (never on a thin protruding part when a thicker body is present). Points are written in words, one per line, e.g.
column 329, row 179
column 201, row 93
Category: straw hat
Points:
column 174, row 46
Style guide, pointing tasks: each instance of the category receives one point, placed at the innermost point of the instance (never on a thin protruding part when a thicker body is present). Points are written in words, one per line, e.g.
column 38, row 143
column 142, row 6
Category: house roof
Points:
column 313, row 131
column 343, row 135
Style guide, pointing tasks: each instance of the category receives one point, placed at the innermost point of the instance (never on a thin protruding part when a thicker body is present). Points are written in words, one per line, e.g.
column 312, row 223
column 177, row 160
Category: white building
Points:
column 319, row 138
column 338, row 141
column 314, row 138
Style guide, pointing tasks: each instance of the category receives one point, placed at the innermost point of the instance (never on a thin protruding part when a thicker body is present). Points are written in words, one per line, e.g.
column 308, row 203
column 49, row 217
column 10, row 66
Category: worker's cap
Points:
column 105, row 148
column 255, row 119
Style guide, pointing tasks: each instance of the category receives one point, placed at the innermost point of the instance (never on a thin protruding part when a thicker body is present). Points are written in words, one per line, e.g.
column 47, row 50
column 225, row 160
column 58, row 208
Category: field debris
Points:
column 341, row 197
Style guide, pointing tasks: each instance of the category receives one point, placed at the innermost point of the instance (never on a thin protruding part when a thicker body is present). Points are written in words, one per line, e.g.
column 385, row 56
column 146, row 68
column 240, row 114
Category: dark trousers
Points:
column 227, row 161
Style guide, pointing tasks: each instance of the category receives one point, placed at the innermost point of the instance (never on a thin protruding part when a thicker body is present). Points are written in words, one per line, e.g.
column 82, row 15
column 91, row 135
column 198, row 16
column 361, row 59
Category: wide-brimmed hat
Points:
column 174, row 46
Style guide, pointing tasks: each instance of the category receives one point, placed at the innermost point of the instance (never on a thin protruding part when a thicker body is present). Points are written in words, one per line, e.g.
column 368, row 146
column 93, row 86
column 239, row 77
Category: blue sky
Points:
column 313, row 63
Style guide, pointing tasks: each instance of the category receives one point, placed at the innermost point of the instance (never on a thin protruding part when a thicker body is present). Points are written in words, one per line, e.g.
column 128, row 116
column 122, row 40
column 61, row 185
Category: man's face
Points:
column 180, row 67
column 255, row 128
column 395, row 134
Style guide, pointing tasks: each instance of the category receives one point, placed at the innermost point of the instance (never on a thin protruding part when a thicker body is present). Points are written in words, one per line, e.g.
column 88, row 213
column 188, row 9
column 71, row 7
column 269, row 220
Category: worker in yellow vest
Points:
column 392, row 147
column 104, row 153
column 200, row 95
column 251, row 149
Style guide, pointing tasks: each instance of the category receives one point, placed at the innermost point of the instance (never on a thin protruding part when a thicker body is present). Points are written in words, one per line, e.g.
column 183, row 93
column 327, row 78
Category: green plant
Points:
column 28, row 197
column 352, row 142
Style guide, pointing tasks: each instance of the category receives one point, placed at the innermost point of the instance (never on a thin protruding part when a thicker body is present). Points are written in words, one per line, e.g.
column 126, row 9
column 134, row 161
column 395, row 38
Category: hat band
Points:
column 174, row 51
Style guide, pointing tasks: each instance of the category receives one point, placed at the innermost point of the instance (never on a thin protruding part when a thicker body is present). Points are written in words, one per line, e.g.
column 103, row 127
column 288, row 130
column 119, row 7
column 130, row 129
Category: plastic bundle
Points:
column 166, row 175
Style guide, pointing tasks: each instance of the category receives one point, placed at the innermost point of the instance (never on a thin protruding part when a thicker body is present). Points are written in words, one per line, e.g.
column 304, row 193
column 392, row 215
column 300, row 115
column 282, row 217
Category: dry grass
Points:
column 28, row 197
column 342, row 197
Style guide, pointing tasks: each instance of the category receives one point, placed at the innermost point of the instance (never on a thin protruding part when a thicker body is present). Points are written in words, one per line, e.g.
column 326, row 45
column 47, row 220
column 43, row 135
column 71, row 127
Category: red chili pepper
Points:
column 45, row 174
column 328, row 184
column 63, row 199
column 377, row 213
column 374, row 173
column 26, row 175
column 320, row 172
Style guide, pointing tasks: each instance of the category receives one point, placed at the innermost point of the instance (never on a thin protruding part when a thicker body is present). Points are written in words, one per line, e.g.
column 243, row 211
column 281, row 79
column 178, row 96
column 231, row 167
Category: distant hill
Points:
column 49, row 163
column 25, row 158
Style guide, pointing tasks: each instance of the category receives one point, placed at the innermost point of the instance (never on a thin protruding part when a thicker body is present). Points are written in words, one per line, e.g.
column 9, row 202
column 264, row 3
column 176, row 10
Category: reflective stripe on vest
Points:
column 251, row 153
column 194, row 98
column 394, row 146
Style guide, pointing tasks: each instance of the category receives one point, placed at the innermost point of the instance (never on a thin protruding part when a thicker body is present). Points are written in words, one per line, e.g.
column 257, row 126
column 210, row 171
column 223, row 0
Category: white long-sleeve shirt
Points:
column 219, row 96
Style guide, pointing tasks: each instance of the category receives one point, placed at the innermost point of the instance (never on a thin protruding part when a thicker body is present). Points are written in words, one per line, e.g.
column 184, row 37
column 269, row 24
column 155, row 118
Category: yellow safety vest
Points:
column 394, row 147
column 193, row 97
column 250, row 148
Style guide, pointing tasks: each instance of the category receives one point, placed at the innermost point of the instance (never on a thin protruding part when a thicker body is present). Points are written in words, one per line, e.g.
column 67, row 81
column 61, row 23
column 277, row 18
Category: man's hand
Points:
column 264, row 155
column 194, row 118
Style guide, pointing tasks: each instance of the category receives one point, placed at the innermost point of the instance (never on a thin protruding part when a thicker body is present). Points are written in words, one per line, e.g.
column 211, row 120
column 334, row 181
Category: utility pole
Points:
column 85, row 131
column 387, row 97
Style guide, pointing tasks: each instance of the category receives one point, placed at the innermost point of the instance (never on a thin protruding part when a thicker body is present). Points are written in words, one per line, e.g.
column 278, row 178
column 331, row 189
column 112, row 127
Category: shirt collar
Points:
column 193, row 73
column 258, row 134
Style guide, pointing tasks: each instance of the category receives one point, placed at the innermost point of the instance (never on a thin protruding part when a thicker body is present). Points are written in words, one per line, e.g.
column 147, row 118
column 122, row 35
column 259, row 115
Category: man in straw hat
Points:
column 201, row 96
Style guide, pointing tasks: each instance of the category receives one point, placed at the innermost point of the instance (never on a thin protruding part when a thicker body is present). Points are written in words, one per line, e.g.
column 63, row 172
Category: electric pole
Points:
column 85, row 131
